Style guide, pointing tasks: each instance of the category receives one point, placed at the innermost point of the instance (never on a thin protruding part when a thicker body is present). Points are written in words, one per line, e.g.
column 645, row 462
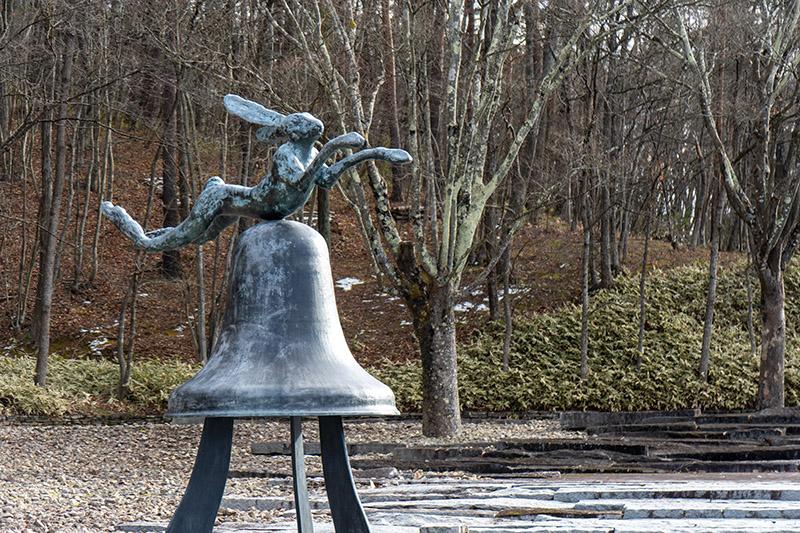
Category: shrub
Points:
column 544, row 363
column 78, row 384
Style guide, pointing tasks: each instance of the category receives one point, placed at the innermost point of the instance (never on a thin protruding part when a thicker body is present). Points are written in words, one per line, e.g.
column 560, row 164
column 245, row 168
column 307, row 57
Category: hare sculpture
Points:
column 296, row 167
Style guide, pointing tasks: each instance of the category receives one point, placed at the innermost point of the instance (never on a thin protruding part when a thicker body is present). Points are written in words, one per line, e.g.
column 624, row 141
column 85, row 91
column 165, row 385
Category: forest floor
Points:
column 546, row 275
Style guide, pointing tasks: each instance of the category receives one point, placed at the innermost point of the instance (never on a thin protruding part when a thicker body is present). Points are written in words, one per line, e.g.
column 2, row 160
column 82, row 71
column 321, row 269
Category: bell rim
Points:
column 283, row 413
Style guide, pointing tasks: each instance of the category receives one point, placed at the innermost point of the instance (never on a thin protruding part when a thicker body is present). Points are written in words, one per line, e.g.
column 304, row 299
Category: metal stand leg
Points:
column 301, row 505
column 348, row 515
column 198, row 509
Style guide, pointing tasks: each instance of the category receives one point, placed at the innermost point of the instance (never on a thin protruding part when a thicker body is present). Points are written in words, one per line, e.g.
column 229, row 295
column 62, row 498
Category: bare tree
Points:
column 765, row 198
column 426, row 264
column 50, row 209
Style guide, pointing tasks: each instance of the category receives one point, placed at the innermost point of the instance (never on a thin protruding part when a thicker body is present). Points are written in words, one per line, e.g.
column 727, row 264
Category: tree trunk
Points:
column 506, row 265
column 750, row 326
column 606, row 240
column 40, row 325
column 642, row 290
column 202, row 340
column 391, row 96
column 491, row 219
column 324, row 215
column 435, row 326
column 52, row 210
column 716, row 230
column 701, row 201
column 587, row 238
column 773, row 332
column 170, row 260
column 128, row 303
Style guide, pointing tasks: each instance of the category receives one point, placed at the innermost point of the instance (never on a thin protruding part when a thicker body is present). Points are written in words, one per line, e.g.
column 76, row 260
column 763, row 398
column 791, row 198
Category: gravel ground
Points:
column 92, row 478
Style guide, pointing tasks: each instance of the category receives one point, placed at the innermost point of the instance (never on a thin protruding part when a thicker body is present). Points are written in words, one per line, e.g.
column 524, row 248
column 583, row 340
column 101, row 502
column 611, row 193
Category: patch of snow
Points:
column 463, row 306
column 97, row 345
column 348, row 283
column 482, row 307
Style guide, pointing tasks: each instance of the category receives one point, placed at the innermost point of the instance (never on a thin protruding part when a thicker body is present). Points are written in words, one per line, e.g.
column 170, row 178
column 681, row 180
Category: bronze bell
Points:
column 281, row 351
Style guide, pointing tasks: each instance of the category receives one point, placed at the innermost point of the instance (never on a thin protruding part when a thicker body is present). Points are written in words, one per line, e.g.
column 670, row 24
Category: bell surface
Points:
column 281, row 351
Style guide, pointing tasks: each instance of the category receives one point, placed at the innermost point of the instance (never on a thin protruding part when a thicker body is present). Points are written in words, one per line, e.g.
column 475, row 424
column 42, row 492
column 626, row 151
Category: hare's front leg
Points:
column 327, row 178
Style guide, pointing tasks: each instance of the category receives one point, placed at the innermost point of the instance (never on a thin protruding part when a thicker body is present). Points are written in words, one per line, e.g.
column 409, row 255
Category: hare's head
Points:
column 302, row 127
column 298, row 127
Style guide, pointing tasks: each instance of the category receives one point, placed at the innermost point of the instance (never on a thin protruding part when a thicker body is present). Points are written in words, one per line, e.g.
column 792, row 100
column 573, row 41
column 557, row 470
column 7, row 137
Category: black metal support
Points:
column 346, row 510
column 301, row 505
column 198, row 509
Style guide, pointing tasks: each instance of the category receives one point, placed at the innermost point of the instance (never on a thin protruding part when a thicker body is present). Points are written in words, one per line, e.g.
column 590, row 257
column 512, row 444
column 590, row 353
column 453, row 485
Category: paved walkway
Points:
column 578, row 504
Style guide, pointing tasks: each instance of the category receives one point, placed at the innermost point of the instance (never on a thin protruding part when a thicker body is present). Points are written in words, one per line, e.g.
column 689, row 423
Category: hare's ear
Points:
column 271, row 134
column 252, row 112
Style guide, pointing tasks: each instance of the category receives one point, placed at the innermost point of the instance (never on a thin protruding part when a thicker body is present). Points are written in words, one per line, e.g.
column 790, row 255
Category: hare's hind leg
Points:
column 204, row 222
column 126, row 224
column 216, row 227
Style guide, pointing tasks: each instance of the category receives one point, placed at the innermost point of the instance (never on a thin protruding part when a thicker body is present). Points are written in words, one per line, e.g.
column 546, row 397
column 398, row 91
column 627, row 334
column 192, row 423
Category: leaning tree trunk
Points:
column 773, row 332
column 435, row 326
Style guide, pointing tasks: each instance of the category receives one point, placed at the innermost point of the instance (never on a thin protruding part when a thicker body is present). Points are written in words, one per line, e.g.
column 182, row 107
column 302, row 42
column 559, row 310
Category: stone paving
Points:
column 637, row 473
column 568, row 504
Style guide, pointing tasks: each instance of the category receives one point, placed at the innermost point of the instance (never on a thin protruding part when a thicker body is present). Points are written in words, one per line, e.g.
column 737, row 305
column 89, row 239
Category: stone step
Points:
column 650, row 456
column 543, row 525
column 583, row 419
column 491, row 506
column 499, row 467
column 742, row 453
column 594, row 419
column 461, row 450
column 692, row 430
column 717, row 491
column 790, row 416
column 719, row 467
column 494, row 497
column 683, row 426
column 312, row 448
column 696, row 508
column 771, row 435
